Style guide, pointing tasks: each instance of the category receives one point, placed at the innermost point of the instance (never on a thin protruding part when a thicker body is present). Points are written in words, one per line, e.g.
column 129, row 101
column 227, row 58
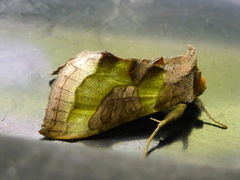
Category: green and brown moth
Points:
column 96, row 91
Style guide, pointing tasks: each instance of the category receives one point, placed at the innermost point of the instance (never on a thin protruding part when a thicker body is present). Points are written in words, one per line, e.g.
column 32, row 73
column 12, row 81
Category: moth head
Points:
column 199, row 84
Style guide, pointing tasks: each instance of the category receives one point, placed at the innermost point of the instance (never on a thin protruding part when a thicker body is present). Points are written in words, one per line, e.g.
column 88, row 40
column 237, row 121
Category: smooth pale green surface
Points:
column 37, row 37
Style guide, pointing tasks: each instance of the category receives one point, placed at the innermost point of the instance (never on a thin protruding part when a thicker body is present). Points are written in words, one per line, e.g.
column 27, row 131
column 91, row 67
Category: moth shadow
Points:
column 178, row 130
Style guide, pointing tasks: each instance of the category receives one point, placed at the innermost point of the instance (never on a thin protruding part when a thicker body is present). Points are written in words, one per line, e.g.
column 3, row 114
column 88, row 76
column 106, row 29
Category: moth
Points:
column 96, row 91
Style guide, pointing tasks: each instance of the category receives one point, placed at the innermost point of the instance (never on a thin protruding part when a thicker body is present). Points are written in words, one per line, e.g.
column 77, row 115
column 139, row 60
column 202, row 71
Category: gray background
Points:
column 38, row 36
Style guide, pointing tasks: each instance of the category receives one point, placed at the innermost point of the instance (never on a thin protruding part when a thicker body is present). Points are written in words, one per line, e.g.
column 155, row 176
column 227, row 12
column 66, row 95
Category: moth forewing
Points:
column 97, row 91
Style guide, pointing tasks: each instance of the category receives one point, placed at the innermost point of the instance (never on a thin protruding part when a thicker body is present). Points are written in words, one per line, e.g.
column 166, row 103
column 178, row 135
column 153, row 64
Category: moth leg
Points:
column 175, row 113
column 200, row 105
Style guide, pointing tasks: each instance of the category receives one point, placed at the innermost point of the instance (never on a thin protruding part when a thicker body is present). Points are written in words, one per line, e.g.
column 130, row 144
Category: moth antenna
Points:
column 200, row 105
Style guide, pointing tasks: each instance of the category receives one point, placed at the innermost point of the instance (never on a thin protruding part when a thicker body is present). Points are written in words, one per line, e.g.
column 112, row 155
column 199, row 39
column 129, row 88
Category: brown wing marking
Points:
column 119, row 106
